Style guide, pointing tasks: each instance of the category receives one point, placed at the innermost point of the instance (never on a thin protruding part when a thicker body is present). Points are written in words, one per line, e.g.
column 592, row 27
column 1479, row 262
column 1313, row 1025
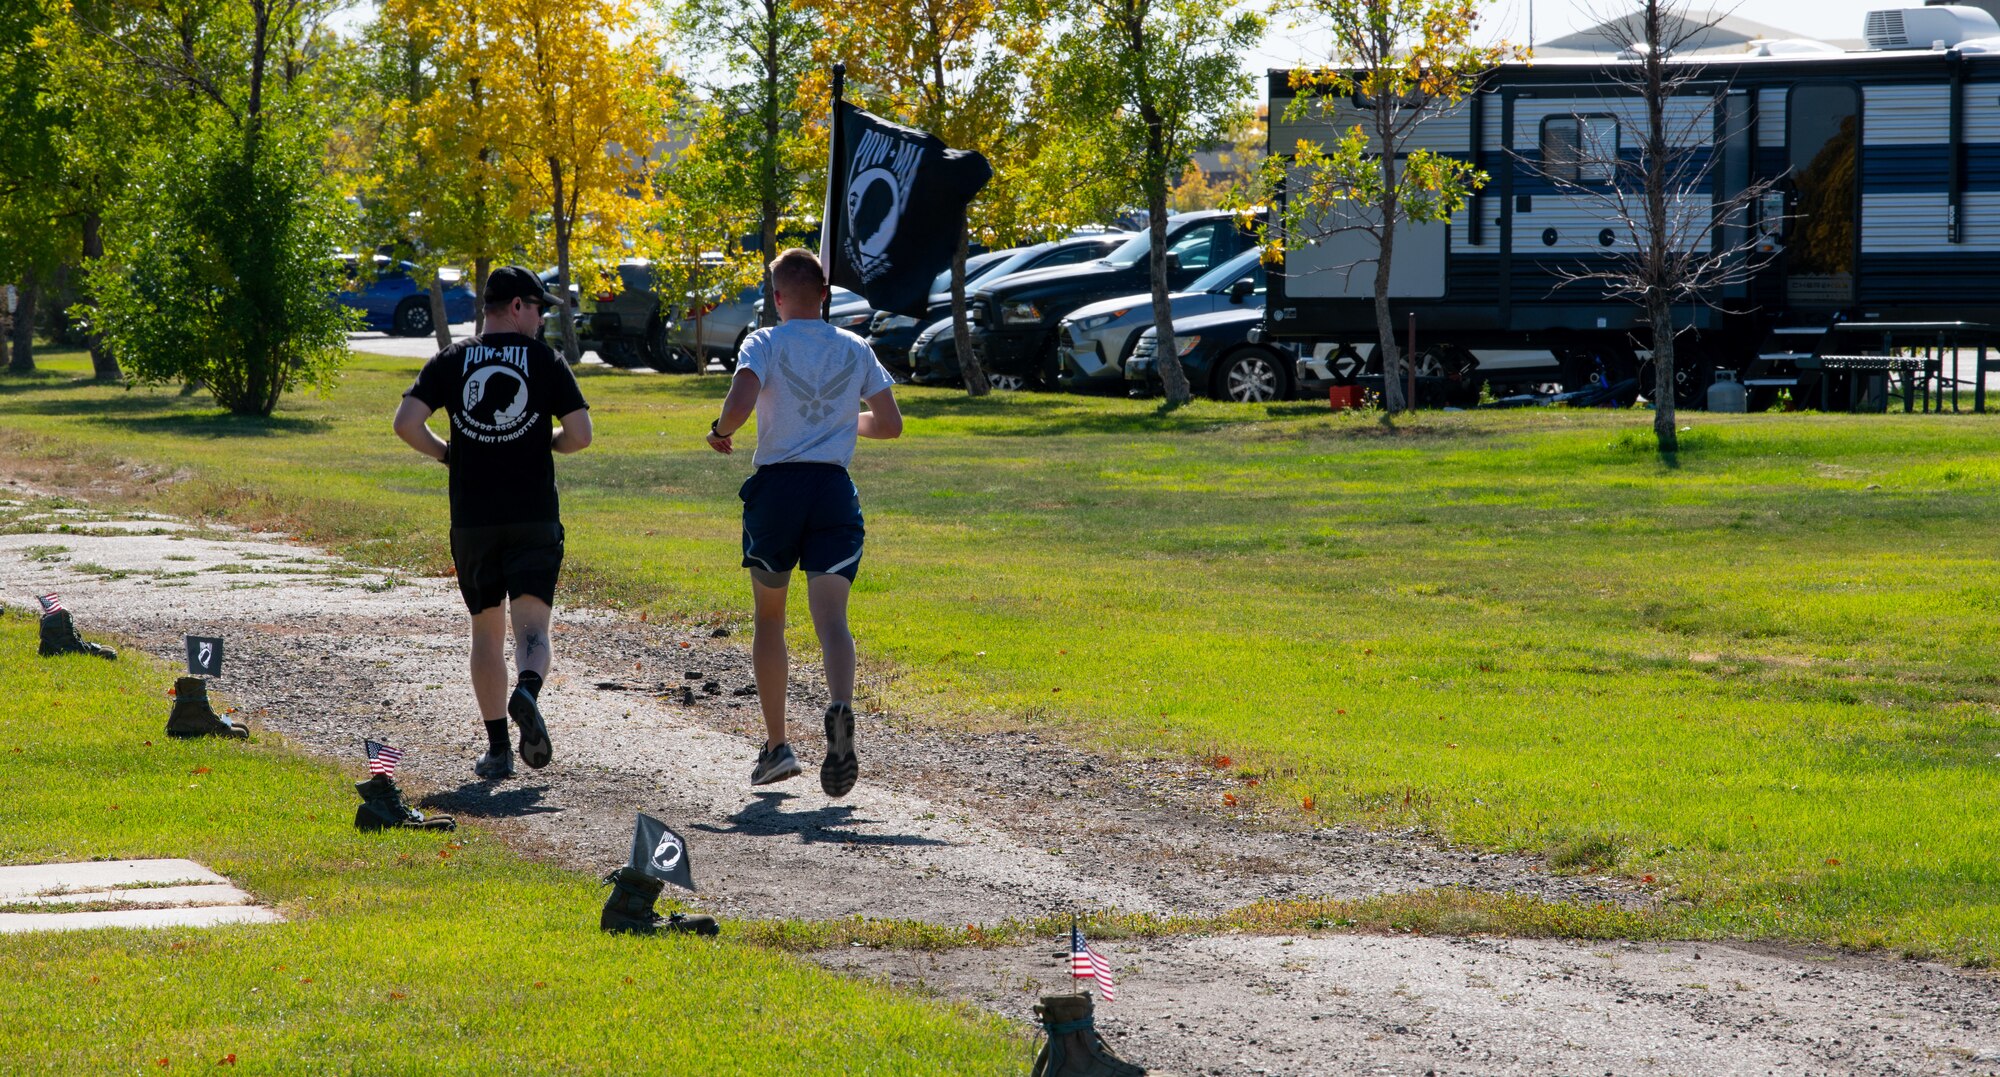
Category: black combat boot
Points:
column 193, row 717
column 382, row 808
column 629, row 909
column 59, row 636
column 1074, row 1048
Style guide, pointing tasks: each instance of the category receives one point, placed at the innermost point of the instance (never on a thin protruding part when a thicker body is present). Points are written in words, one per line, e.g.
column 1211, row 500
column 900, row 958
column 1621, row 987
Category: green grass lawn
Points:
column 405, row 953
column 1764, row 678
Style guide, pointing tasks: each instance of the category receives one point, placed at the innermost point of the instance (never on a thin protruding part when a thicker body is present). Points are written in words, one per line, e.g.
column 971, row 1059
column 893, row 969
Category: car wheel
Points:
column 1007, row 383
column 1251, row 376
column 663, row 355
column 413, row 317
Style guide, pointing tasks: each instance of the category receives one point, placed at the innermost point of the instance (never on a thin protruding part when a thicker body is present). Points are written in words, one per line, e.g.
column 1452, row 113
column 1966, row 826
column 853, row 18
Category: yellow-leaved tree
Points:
column 571, row 107
column 953, row 68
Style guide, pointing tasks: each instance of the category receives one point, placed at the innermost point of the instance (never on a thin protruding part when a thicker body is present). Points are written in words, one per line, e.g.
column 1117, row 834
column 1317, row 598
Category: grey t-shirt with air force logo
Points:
column 813, row 378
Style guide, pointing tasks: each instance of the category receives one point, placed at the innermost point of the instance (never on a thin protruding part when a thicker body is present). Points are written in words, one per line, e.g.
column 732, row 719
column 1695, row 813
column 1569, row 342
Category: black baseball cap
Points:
column 508, row 283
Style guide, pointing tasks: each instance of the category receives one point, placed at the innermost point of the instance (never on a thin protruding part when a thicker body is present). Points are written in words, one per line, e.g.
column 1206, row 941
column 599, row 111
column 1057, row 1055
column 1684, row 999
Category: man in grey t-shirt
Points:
column 804, row 380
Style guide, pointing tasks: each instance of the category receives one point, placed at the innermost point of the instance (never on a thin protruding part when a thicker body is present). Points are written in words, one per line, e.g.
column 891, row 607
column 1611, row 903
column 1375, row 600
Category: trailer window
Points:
column 1579, row 149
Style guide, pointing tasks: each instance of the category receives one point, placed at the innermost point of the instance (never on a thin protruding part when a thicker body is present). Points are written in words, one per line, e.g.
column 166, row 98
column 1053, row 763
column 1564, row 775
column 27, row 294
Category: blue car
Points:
column 391, row 301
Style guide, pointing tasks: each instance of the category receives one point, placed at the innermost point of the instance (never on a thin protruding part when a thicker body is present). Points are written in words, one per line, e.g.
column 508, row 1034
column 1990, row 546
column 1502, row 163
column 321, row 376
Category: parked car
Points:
column 718, row 331
column 1096, row 338
column 848, row 311
column 391, row 301
column 893, row 335
column 623, row 322
column 1220, row 358
column 1015, row 317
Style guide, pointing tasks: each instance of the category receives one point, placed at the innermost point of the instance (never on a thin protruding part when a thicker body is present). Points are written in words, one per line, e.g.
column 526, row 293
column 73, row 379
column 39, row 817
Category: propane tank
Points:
column 1726, row 394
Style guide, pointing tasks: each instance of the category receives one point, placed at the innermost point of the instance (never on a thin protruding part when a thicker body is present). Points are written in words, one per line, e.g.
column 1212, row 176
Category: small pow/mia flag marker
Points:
column 204, row 656
column 659, row 852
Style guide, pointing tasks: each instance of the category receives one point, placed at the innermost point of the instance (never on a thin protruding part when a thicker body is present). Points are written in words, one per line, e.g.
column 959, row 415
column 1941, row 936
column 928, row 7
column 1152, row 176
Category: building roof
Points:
column 1711, row 32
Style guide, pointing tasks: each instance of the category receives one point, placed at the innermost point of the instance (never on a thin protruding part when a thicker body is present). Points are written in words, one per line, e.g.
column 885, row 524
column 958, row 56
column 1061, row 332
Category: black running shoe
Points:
column 774, row 765
column 840, row 768
column 535, row 749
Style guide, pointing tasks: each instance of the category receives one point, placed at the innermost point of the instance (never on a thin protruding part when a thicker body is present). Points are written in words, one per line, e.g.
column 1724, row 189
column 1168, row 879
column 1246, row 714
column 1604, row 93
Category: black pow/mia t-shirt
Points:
column 503, row 392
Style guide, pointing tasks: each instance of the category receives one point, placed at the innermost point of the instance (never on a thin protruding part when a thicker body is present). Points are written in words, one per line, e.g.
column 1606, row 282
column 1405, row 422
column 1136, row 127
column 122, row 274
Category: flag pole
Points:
column 836, row 188
column 1073, row 981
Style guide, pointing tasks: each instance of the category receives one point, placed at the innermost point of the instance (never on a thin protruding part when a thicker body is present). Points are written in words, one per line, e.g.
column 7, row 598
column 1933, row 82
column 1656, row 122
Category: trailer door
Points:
column 1823, row 136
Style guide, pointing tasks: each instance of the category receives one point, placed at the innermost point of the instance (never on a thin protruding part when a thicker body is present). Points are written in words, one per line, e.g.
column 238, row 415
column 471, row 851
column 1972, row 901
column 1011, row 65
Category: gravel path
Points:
column 959, row 828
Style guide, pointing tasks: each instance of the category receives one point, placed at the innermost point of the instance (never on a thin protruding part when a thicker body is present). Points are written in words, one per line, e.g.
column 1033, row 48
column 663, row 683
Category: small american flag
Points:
column 1085, row 964
column 382, row 759
column 50, row 603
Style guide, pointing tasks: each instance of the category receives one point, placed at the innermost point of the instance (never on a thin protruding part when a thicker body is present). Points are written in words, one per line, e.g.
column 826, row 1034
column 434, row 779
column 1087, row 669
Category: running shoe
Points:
column 535, row 749
column 494, row 765
column 841, row 767
column 775, row 765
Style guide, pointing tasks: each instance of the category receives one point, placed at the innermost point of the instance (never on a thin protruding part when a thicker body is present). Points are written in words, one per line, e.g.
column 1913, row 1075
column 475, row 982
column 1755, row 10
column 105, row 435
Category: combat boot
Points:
column 59, row 636
column 1074, row 1048
column 629, row 909
column 382, row 808
column 193, row 717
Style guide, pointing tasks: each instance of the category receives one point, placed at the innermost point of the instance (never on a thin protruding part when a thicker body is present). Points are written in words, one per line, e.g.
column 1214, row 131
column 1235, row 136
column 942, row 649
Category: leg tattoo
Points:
column 531, row 643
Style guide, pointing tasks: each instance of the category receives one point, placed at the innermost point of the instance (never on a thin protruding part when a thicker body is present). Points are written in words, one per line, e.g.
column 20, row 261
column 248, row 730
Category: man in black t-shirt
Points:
column 504, row 391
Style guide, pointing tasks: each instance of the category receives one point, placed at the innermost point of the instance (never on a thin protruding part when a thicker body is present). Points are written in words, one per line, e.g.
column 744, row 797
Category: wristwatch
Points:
column 715, row 429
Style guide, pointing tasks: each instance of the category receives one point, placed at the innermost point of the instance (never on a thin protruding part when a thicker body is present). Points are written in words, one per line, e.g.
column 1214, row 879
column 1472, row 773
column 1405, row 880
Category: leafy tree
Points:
column 694, row 235
column 753, row 126
column 574, row 92
column 217, row 268
column 1397, row 65
column 1143, row 84
column 428, row 175
column 953, row 68
column 1241, row 157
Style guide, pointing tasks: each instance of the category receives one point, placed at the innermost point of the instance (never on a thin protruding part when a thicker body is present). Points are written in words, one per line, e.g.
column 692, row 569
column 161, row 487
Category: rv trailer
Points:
column 1881, row 227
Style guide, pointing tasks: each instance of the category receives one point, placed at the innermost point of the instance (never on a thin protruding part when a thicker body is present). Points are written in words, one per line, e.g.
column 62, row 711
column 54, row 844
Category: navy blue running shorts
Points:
column 802, row 515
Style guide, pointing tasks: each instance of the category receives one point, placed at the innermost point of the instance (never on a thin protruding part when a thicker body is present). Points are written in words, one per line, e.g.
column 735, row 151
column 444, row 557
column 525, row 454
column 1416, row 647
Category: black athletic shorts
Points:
column 801, row 514
column 507, row 561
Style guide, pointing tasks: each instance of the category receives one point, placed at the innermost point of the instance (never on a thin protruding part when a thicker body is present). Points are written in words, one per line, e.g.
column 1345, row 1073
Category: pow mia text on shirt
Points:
column 503, row 392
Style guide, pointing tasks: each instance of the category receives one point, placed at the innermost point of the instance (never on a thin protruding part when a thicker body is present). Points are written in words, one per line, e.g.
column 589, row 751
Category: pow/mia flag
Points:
column 895, row 208
column 659, row 852
column 204, row 656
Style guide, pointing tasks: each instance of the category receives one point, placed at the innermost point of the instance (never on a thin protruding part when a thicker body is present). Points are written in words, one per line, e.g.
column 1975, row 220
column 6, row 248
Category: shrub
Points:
column 219, row 268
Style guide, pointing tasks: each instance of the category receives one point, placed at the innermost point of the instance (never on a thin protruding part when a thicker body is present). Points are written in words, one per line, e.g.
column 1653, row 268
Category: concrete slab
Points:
column 13, row 922
column 209, row 894
column 164, row 893
column 23, row 881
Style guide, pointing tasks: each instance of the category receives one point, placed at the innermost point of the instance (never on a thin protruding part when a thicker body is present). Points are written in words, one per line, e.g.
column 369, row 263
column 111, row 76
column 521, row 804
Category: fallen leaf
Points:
column 642, row 616
column 114, row 807
column 1250, row 781
column 305, row 979
column 178, row 946
column 1339, row 711
column 231, row 710
column 1062, row 652
column 1055, row 689
column 149, row 744
column 628, row 979
column 398, row 995
column 444, row 854
column 1645, row 878
column 199, row 770
column 170, row 691
column 226, row 1060
column 1307, row 803
column 1229, row 799
column 1368, row 650
column 160, row 1062
column 1833, row 861
column 685, row 645
column 93, row 979
column 1219, row 762
column 539, row 983
column 1451, row 744
column 279, row 968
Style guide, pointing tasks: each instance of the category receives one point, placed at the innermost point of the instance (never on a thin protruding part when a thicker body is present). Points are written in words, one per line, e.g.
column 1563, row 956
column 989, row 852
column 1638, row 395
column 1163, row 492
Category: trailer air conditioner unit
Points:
column 1926, row 27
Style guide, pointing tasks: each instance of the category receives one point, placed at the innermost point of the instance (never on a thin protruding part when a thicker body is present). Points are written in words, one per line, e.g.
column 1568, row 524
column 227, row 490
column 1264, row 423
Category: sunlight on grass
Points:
column 1763, row 678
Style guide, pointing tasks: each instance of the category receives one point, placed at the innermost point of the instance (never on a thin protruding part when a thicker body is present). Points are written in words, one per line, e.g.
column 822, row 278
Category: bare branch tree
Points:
column 1677, row 239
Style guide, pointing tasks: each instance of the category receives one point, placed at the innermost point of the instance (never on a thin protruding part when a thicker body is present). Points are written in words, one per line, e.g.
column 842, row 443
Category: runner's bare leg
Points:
column 826, row 596
column 489, row 663
column 533, row 649
column 768, row 658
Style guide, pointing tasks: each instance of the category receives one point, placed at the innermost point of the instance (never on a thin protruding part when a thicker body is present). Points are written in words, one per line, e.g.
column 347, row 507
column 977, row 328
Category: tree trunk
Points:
column 1664, row 430
column 767, row 177
column 439, row 322
column 969, row 365
column 572, row 350
column 24, row 328
column 1167, row 356
column 1393, row 400
column 481, row 267
column 103, row 364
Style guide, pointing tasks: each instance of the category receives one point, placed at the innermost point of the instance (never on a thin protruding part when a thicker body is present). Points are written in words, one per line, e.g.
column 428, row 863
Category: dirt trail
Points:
column 953, row 828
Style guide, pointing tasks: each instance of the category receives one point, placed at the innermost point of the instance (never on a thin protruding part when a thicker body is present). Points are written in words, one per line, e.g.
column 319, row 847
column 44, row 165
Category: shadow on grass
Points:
column 768, row 817
column 148, row 414
column 42, row 381
column 1045, row 414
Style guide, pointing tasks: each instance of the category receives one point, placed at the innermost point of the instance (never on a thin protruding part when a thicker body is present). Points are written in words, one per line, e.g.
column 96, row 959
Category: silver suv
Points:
column 1094, row 341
